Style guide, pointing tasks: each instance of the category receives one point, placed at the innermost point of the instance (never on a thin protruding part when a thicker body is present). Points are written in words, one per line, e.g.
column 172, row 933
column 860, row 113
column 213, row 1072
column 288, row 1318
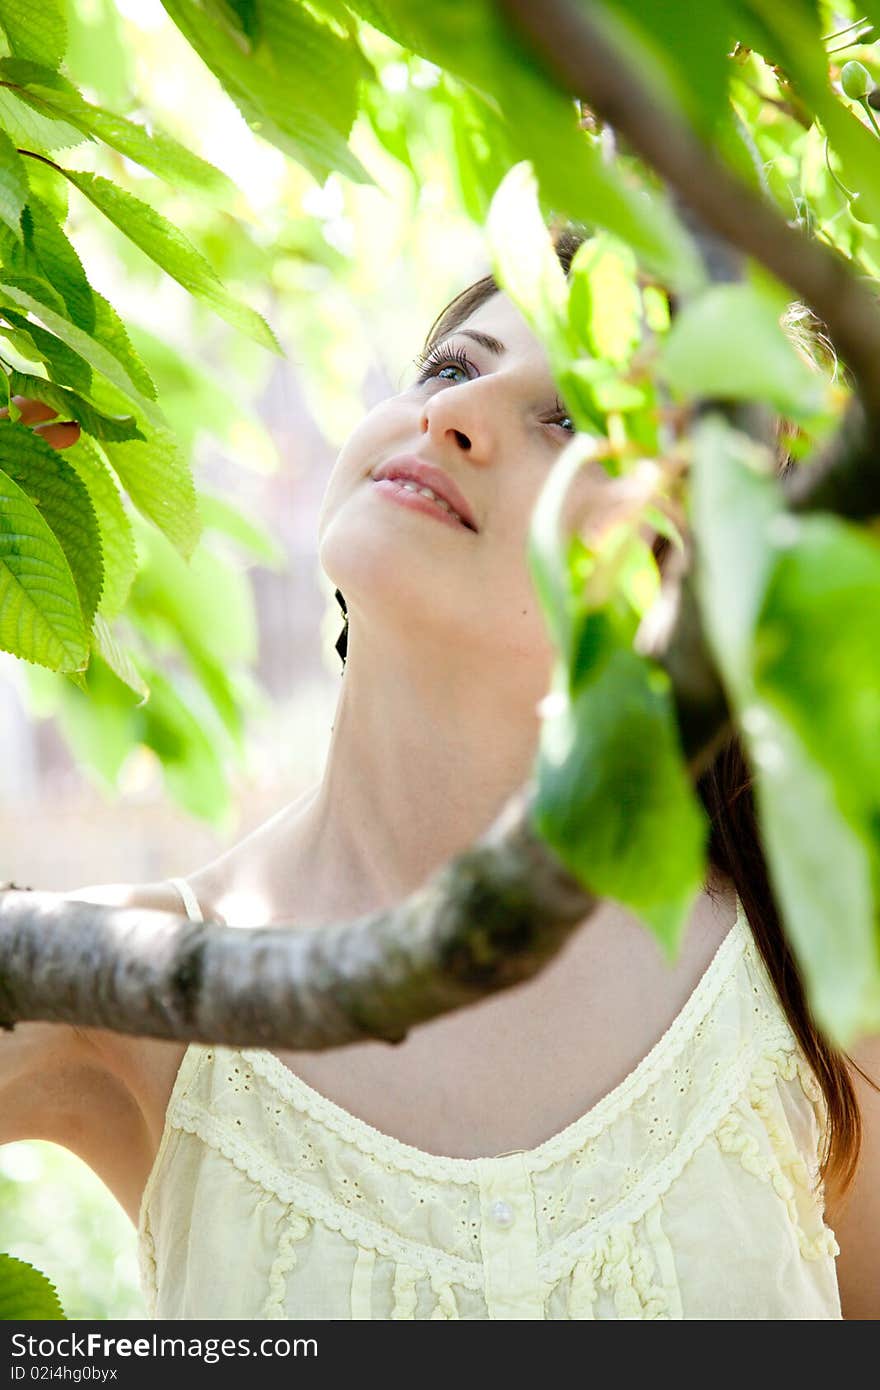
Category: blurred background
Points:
column 350, row 277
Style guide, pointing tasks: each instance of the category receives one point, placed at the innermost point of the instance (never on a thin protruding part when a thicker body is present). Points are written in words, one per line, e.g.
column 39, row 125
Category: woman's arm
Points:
column 855, row 1217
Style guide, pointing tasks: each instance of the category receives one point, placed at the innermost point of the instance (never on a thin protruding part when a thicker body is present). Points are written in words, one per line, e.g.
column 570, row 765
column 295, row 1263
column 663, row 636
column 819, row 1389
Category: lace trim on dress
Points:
column 295, row 1229
column 312, row 1203
column 784, row 1169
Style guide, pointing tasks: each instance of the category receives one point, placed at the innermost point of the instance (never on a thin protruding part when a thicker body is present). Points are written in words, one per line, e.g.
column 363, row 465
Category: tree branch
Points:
column 572, row 47
column 491, row 918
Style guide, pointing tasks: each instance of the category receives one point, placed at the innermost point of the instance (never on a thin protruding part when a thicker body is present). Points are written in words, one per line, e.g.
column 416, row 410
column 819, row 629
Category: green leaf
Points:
column 169, row 248
column 159, row 482
column 480, row 146
column 604, row 301
column 215, row 680
column 35, row 31
column 64, row 504
column 245, row 16
column 62, row 363
column 40, row 615
column 790, row 35
column 97, row 722
column 692, row 55
column 35, row 300
column 118, row 658
column 117, row 540
column 25, row 1294
column 111, row 332
column 31, row 131
column 735, row 504
column 815, row 784
column 296, row 85
column 817, row 653
column 99, row 53
column 525, row 265
column 728, row 344
column 13, row 185
column 206, row 602
column 59, row 264
column 70, row 406
column 155, row 150
column 817, row 679
column 614, row 800
column 547, row 560
column 38, row 288
column 820, row 871
column 50, row 187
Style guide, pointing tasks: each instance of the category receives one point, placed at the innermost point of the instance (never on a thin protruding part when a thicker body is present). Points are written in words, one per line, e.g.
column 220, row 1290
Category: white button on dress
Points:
column 501, row 1213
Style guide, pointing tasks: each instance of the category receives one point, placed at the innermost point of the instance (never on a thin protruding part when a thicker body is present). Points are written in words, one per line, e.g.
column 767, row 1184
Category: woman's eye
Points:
column 445, row 365
column 562, row 418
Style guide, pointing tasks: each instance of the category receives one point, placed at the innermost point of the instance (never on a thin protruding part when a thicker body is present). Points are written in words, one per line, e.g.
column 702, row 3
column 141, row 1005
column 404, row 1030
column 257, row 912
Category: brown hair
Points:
column 734, row 850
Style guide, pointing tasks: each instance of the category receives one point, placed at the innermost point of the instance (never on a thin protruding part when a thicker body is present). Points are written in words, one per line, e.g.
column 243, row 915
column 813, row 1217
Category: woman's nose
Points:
column 449, row 421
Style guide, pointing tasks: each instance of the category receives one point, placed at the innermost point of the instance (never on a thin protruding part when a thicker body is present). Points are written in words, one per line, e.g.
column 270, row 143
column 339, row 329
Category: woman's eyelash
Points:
column 432, row 360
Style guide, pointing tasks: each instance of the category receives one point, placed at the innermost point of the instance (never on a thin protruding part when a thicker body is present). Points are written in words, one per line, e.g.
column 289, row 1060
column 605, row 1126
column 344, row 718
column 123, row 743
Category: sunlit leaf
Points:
column 171, row 250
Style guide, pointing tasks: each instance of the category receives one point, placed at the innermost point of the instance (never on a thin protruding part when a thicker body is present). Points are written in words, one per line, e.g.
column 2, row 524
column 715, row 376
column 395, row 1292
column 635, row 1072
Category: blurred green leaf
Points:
column 117, row 657
column 604, row 302
column 614, row 799
column 98, row 52
column 220, row 515
column 191, row 764
column 818, row 823
column 296, row 83
column 728, row 344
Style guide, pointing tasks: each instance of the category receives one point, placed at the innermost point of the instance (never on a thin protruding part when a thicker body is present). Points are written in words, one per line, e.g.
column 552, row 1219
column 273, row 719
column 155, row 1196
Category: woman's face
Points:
column 487, row 413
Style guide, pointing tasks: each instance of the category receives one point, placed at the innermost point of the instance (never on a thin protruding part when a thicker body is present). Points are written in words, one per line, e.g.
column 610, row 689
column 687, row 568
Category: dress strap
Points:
column 190, row 901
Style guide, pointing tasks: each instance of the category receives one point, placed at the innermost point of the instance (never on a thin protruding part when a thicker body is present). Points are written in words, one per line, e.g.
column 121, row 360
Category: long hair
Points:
column 734, row 850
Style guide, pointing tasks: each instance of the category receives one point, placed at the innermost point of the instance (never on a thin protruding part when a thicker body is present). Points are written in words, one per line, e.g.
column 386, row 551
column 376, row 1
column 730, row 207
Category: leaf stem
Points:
column 30, row 154
column 864, row 102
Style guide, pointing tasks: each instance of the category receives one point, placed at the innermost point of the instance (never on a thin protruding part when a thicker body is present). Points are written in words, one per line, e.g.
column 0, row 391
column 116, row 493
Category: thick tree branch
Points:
column 570, row 44
column 489, row 919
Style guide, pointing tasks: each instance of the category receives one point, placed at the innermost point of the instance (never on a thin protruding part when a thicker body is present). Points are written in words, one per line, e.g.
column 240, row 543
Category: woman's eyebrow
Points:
column 485, row 340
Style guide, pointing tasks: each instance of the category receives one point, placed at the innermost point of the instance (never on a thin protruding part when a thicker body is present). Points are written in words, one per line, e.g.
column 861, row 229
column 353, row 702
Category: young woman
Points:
column 615, row 1139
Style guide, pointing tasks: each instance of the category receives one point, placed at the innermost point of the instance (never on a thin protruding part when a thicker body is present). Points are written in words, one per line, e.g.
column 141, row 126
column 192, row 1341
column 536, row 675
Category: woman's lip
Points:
column 393, row 488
